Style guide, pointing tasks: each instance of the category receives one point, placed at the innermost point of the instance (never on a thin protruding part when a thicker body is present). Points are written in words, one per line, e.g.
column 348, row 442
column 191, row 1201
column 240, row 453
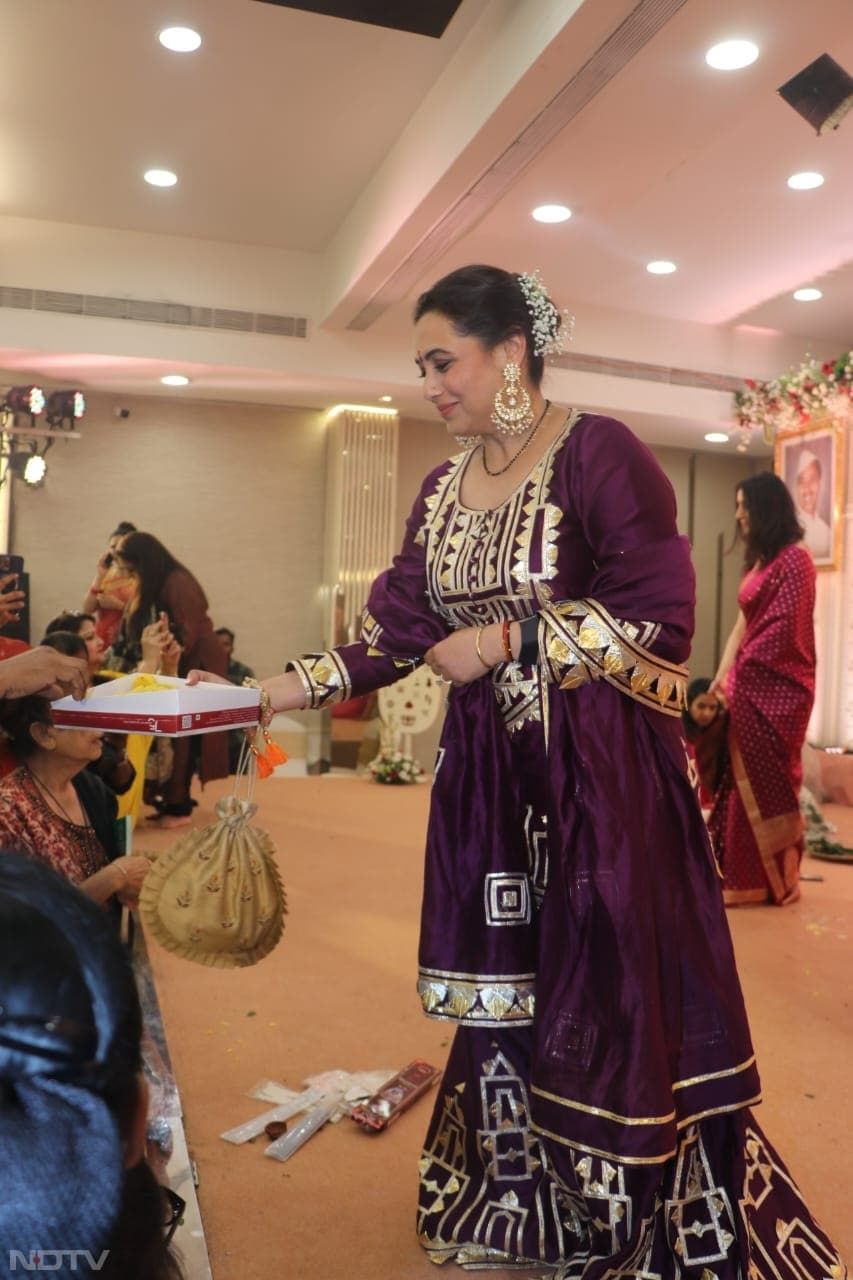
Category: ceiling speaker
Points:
column 822, row 93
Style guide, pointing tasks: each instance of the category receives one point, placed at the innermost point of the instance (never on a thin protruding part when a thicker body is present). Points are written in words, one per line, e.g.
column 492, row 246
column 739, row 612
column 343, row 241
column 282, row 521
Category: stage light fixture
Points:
column 35, row 469
column 28, row 400
column 65, row 408
column 29, row 467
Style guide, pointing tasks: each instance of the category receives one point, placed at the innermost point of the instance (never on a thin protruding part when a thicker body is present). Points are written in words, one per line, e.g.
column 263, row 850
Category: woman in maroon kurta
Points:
column 593, row 1116
column 767, row 676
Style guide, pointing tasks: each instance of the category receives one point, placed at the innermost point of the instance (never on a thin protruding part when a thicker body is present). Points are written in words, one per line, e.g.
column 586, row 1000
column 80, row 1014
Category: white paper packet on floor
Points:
column 353, row 1086
column 285, row 1146
column 272, row 1091
column 251, row 1128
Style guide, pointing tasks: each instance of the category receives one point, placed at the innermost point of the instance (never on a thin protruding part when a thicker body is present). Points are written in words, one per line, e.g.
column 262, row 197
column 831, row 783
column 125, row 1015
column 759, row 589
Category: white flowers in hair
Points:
column 552, row 329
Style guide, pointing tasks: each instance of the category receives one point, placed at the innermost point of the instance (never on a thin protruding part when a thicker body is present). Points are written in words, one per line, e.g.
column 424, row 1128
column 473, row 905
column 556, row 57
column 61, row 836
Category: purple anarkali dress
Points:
column 593, row 1116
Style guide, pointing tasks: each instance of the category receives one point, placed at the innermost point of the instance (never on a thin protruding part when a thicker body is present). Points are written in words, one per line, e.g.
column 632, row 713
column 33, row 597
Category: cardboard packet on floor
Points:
column 396, row 1096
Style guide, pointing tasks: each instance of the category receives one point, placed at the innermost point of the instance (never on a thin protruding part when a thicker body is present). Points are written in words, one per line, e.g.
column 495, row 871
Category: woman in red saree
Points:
column 767, row 677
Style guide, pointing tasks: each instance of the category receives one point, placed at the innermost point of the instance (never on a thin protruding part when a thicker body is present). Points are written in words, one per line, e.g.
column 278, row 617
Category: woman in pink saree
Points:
column 767, row 677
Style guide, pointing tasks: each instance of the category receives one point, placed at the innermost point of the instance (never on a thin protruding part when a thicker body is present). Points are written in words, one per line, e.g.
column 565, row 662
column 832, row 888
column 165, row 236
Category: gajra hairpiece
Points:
column 552, row 329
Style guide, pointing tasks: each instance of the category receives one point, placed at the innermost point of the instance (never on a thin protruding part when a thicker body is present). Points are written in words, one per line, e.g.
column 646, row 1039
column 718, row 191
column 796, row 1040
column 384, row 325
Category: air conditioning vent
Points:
column 70, row 304
column 148, row 312
column 613, row 367
column 282, row 326
column 107, row 308
column 241, row 321
column 20, row 298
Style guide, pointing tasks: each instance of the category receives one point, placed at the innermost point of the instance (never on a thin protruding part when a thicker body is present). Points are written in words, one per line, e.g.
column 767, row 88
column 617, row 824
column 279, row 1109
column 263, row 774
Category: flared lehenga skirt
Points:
column 496, row 1194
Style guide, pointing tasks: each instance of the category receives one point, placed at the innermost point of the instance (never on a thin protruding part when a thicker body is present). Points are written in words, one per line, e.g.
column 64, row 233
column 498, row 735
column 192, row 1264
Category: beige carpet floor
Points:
column 339, row 992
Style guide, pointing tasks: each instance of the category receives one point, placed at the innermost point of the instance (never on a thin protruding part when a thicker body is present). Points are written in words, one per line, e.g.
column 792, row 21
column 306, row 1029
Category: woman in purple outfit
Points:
column 594, row 1114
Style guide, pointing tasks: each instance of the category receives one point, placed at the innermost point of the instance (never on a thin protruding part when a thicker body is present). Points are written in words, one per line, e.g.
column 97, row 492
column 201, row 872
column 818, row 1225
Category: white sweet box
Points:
column 165, row 706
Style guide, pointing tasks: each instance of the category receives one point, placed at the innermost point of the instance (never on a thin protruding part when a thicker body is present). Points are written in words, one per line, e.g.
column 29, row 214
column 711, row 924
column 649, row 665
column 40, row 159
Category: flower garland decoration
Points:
column 394, row 768
column 814, row 390
column 552, row 329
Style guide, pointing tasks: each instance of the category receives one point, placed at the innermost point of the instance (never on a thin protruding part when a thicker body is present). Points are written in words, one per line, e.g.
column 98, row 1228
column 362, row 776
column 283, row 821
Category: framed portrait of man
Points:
column 811, row 465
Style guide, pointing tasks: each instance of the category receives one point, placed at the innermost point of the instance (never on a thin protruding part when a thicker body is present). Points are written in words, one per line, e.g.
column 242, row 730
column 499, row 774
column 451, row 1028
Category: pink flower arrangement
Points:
column 786, row 403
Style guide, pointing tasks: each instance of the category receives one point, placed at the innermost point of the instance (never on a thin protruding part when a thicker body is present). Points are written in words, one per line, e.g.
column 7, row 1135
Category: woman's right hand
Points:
column 151, row 642
column 133, row 870
column 286, row 691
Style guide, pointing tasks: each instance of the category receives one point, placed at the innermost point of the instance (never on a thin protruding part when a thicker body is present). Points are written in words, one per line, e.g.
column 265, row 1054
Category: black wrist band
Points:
column 528, row 653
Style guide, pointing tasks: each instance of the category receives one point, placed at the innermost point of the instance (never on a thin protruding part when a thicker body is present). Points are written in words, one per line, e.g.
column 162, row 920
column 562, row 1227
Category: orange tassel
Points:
column 274, row 753
column 267, row 759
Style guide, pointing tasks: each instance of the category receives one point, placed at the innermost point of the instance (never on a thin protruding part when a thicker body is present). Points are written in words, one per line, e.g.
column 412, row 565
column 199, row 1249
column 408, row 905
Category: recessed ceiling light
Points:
column 386, row 399
column 807, row 295
column 179, row 39
column 552, row 213
column 731, row 55
column 160, row 177
column 716, row 437
column 175, row 380
column 805, row 181
column 661, row 267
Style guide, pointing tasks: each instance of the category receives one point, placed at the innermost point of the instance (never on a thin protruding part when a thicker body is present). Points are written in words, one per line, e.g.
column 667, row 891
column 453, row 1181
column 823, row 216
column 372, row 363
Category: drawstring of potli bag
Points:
column 271, row 754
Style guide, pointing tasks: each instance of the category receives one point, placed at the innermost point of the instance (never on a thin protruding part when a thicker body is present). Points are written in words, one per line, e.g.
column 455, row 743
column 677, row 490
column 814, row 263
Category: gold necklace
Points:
column 515, row 456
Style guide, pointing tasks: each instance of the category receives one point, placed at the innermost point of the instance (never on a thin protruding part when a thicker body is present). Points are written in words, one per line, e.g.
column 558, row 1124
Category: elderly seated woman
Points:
column 122, row 764
column 54, row 809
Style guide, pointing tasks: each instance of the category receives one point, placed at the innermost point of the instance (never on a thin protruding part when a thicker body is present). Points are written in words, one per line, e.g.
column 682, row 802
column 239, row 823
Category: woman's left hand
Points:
column 455, row 659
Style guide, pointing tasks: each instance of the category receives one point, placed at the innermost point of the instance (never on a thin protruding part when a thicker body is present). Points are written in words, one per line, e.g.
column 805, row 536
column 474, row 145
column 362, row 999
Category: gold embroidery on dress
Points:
column 508, row 1152
column 486, row 565
column 324, row 678
column 699, row 1212
column 803, row 1253
column 581, row 642
column 519, row 695
column 477, row 999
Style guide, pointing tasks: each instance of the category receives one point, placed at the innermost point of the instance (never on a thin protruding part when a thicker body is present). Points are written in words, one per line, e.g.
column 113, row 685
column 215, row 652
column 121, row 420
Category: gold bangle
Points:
column 265, row 711
column 117, row 863
column 487, row 665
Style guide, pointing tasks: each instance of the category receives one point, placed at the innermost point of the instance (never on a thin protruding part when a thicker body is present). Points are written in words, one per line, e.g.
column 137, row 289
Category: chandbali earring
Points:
column 512, row 412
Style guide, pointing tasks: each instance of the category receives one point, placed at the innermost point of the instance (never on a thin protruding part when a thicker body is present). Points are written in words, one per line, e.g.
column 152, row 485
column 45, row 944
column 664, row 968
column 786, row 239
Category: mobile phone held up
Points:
column 11, row 564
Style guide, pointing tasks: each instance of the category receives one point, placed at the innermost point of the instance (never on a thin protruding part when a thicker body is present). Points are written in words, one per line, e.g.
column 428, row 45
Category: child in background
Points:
column 704, row 721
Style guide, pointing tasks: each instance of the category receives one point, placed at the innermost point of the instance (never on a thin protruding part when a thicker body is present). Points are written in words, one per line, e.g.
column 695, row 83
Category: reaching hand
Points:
column 11, row 602
column 44, row 671
column 151, row 643
column 197, row 676
column 135, row 870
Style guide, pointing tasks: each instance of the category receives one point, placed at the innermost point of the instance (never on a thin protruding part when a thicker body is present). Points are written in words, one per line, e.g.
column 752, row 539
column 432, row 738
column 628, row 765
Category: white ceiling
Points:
column 331, row 169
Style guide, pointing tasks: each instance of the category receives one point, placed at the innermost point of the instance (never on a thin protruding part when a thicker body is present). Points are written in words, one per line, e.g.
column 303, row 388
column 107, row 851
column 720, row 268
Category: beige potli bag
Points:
column 216, row 896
